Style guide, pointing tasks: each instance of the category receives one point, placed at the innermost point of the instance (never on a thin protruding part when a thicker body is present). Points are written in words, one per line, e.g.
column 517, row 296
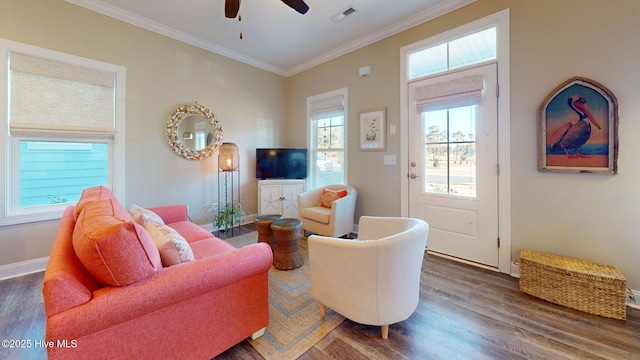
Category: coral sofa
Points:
column 108, row 296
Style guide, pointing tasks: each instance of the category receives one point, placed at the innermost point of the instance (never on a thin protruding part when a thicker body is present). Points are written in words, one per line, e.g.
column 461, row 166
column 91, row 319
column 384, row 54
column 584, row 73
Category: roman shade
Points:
column 464, row 91
column 59, row 98
column 327, row 107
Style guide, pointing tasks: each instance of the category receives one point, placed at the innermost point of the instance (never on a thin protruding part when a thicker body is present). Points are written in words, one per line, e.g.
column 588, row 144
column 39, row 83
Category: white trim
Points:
column 421, row 17
column 501, row 20
column 630, row 302
column 23, row 268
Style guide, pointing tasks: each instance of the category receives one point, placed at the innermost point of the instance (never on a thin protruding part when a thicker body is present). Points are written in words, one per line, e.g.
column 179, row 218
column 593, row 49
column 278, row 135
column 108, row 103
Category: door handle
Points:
column 413, row 175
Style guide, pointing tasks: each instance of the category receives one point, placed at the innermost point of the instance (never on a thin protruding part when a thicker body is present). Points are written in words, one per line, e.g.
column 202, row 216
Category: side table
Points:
column 287, row 255
column 263, row 225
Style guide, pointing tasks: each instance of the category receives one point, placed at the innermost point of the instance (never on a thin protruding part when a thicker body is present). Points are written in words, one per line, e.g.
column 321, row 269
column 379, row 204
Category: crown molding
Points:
column 411, row 21
column 139, row 21
column 142, row 22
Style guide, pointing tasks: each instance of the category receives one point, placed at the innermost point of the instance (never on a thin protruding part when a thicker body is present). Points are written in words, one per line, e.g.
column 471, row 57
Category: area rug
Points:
column 295, row 324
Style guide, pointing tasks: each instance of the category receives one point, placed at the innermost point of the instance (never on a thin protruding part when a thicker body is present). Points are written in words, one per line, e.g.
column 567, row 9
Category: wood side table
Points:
column 287, row 255
column 263, row 225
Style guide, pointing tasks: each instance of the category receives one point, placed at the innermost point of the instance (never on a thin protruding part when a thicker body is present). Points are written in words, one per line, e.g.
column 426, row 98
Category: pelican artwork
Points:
column 573, row 136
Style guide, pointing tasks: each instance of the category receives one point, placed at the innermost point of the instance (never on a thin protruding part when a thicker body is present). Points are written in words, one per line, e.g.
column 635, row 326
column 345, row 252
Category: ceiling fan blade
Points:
column 297, row 5
column 231, row 8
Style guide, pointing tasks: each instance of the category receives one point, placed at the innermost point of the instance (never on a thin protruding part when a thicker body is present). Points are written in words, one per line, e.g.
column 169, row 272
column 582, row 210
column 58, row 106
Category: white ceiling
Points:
column 275, row 37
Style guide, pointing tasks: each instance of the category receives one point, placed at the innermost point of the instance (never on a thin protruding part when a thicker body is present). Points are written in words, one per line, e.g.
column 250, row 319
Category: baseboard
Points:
column 515, row 272
column 636, row 295
column 515, row 268
column 23, row 268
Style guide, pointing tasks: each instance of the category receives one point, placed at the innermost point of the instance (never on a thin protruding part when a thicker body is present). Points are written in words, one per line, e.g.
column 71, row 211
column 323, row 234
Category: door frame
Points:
column 501, row 21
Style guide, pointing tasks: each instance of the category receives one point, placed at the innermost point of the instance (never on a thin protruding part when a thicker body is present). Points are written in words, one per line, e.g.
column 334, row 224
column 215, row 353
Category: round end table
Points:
column 287, row 255
column 263, row 225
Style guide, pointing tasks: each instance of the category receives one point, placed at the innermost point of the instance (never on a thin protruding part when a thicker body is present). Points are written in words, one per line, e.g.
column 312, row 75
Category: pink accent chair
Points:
column 193, row 310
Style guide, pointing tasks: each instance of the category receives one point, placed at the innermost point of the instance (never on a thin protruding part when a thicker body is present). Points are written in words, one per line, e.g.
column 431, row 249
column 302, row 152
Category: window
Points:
column 450, row 151
column 327, row 138
column 62, row 132
column 471, row 49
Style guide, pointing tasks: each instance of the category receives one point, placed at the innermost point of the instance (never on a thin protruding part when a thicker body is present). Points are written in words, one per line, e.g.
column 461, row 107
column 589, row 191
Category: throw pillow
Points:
column 174, row 249
column 329, row 196
column 114, row 249
column 139, row 215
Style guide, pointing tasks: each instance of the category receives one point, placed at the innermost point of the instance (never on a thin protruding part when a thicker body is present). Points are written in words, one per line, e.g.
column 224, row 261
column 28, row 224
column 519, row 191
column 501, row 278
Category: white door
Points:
column 453, row 165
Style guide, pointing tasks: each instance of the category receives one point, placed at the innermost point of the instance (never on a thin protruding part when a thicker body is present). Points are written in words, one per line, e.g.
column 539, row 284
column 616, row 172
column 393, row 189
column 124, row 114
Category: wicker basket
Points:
column 578, row 284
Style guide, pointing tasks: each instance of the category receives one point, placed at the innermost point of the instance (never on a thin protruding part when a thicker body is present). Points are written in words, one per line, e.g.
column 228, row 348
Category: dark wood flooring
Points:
column 464, row 313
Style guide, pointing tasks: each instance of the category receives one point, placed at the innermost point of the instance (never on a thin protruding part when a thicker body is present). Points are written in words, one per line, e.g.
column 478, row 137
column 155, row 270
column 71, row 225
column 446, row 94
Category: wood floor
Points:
column 464, row 313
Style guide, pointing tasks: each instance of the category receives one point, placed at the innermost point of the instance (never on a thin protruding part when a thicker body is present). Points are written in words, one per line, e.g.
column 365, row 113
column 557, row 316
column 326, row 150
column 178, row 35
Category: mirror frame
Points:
column 173, row 137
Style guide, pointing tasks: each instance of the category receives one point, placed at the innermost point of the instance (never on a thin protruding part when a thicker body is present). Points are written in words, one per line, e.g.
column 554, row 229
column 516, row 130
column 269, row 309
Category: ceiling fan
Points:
column 231, row 7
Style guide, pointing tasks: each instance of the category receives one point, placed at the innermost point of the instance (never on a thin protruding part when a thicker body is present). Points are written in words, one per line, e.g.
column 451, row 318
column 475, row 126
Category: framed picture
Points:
column 578, row 129
column 372, row 129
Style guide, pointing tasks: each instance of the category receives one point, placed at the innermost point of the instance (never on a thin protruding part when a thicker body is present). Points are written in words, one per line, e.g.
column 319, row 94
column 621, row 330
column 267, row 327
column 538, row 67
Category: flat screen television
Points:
column 281, row 163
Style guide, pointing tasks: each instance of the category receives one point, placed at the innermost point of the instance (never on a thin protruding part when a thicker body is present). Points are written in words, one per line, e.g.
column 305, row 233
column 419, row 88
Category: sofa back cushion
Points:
column 114, row 249
column 90, row 195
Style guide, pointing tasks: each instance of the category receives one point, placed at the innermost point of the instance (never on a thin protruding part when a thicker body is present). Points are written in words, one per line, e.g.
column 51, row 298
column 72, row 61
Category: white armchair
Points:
column 374, row 280
column 336, row 221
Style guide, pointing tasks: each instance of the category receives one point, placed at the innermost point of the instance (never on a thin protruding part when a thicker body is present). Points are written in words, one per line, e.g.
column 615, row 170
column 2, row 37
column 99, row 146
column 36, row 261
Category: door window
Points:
column 450, row 151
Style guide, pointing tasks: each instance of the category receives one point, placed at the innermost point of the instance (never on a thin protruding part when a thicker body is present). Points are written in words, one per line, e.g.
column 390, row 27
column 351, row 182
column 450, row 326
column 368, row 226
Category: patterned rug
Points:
column 295, row 324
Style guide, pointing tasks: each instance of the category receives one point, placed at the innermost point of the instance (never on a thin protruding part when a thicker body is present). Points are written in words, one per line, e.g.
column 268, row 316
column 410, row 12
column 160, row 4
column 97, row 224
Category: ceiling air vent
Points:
column 343, row 14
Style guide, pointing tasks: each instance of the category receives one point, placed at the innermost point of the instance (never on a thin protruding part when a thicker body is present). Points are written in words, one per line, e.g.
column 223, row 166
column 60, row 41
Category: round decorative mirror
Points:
column 193, row 131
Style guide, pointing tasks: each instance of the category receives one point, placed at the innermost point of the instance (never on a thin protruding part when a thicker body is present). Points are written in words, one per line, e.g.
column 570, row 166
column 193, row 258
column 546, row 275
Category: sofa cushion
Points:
column 90, row 195
column 173, row 248
column 317, row 214
column 329, row 196
column 139, row 215
column 114, row 249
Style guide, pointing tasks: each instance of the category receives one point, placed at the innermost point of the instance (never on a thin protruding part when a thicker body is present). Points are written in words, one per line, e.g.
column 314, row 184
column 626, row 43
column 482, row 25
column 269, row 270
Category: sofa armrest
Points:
column 172, row 213
column 168, row 286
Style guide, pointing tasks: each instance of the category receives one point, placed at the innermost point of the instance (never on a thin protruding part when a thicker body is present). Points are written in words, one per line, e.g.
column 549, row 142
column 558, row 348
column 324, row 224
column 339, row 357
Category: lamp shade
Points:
column 228, row 157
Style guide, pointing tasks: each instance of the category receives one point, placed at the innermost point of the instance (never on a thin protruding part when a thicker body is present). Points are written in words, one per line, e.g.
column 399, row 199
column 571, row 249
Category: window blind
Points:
column 459, row 92
column 48, row 96
column 328, row 107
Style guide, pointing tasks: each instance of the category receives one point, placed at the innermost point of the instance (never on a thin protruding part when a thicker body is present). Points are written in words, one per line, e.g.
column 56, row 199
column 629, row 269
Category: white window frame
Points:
column 311, row 141
column 10, row 214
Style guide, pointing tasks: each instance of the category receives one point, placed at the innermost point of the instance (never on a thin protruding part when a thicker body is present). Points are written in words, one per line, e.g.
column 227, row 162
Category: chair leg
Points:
column 323, row 311
column 385, row 332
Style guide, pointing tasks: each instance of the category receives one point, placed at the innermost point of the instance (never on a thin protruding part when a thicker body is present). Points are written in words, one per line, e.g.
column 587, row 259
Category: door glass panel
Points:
column 467, row 50
column 473, row 49
column 429, row 61
column 450, row 151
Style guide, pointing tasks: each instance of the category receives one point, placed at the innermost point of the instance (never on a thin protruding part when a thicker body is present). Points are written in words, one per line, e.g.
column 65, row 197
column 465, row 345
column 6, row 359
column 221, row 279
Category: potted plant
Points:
column 226, row 215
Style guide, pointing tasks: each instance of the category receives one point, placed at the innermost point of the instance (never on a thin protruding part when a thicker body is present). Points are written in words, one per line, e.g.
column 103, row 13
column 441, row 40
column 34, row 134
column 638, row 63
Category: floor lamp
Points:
column 229, row 169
